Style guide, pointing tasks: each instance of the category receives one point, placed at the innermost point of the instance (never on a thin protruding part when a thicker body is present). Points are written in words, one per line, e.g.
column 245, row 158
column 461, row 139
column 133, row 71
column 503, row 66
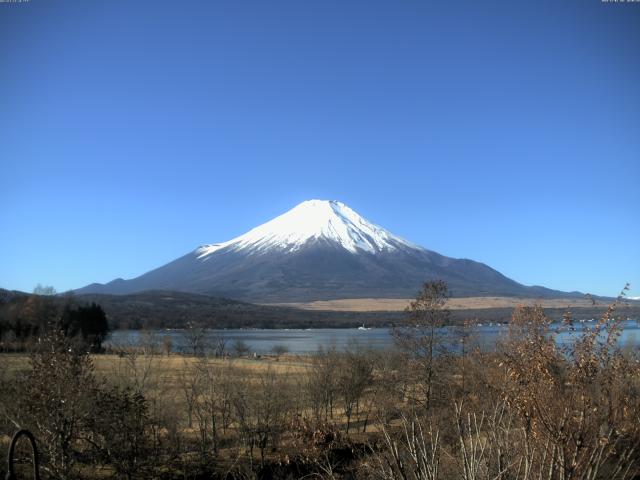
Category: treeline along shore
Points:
column 158, row 309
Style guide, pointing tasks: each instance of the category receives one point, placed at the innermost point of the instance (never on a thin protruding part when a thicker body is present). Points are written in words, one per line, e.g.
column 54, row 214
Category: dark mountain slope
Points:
column 319, row 251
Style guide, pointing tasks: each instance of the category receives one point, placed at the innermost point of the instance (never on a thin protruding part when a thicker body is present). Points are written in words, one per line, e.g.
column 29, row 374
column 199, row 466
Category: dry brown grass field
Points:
column 399, row 304
column 168, row 366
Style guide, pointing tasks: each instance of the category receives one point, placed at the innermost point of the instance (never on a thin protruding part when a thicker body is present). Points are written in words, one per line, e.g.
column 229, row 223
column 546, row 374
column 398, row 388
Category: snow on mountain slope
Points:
column 319, row 250
column 314, row 220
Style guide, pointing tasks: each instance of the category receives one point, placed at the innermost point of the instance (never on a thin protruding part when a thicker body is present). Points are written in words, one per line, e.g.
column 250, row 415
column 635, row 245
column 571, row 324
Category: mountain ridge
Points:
column 319, row 250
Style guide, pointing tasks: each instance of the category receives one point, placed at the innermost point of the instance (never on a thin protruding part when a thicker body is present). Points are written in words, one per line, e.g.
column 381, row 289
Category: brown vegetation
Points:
column 530, row 410
column 461, row 303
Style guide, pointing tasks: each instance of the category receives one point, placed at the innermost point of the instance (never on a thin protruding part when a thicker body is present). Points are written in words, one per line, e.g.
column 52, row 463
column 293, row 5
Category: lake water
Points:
column 309, row 341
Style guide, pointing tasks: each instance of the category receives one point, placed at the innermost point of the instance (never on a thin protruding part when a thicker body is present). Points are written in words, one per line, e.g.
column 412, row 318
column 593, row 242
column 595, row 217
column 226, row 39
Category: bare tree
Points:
column 261, row 412
column 40, row 289
column 194, row 337
column 279, row 350
column 219, row 345
column 355, row 374
column 212, row 407
column 419, row 334
column 189, row 381
column 321, row 383
column 241, row 348
column 119, row 430
column 138, row 364
column 167, row 345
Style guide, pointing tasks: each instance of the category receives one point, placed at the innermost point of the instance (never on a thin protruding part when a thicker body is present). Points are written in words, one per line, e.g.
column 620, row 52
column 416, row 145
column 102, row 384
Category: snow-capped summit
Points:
column 318, row 250
column 310, row 221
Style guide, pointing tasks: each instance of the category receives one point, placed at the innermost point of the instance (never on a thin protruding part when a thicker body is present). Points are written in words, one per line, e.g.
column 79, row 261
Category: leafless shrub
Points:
column 411, row 453
column 195, row 338
column 58, row 401
column 139, row 365
column 261, row 412
column 279, row 350
column 119, row 430
column 212, row 406
column 321, row 383
column 312, row 443
column 354, row 376
column 241, row 348
column 219, row 344
column 189, row 384
column 576, row 407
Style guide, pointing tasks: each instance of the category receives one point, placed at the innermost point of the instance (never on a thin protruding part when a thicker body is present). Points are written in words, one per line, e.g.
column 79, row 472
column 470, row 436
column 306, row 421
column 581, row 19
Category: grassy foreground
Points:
column 530, row 410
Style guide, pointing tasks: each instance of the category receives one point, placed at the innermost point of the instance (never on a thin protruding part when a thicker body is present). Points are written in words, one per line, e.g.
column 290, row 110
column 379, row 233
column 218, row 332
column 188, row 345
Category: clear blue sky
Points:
column 506, row 132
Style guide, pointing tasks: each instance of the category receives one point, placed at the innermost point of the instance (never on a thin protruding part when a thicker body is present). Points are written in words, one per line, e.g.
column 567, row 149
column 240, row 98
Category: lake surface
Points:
column 308, row 341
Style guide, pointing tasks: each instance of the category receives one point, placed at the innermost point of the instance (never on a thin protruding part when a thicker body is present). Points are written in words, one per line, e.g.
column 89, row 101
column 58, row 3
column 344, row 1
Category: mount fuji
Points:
column 319, row 250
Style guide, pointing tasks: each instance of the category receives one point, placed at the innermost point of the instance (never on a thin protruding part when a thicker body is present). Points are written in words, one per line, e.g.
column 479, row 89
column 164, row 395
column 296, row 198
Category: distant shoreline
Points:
column 462, row 303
